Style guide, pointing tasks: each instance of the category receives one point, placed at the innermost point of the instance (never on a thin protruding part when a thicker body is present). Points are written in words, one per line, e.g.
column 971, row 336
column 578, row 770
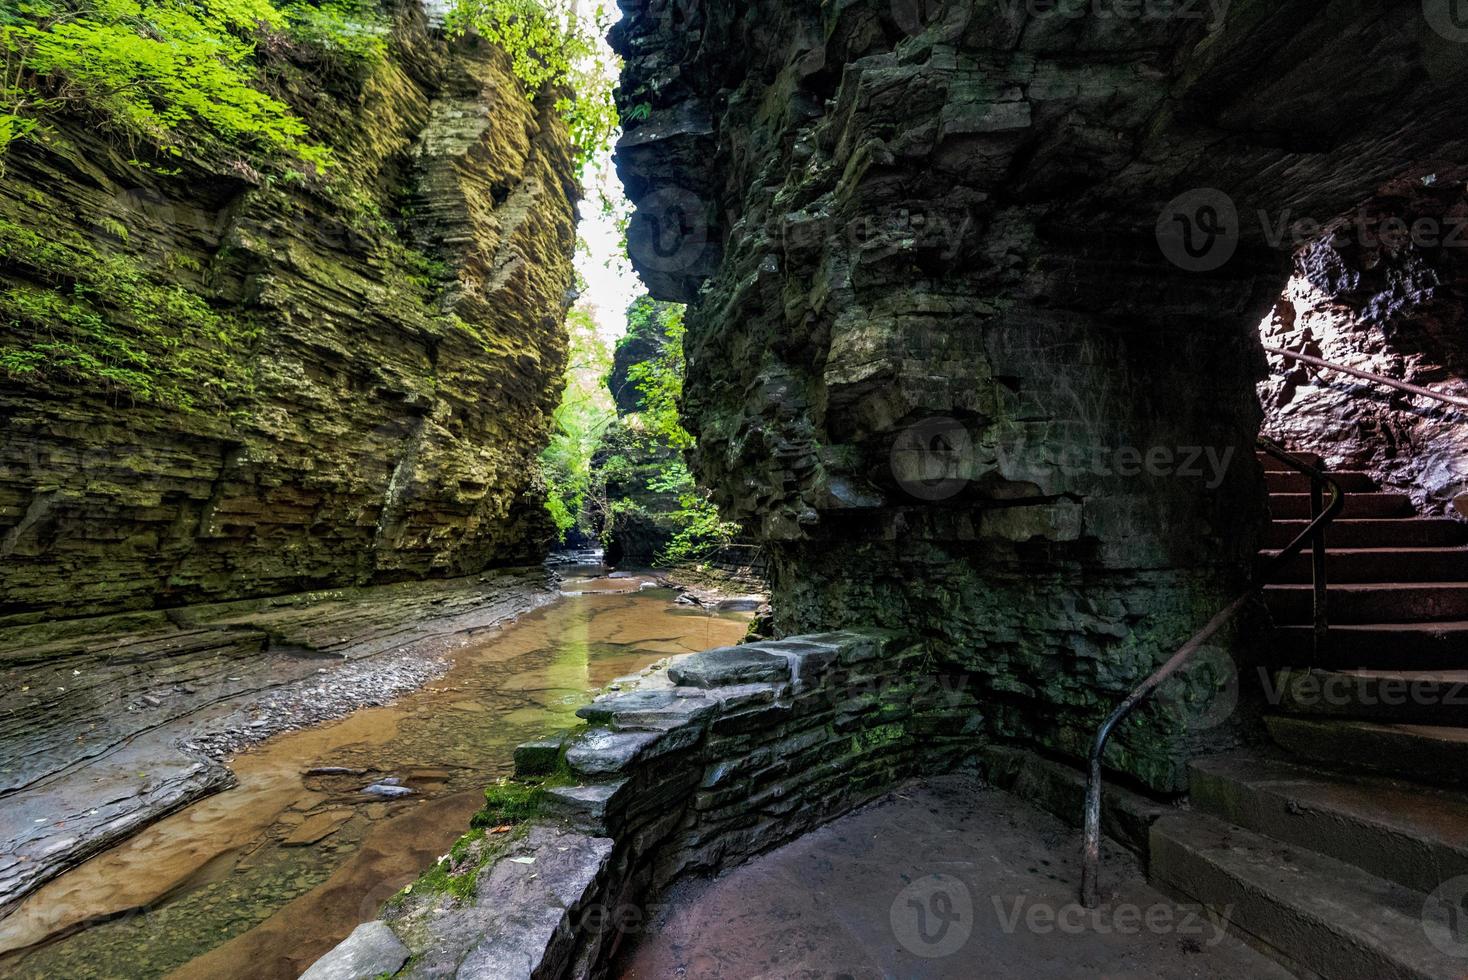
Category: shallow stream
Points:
column 258, row 881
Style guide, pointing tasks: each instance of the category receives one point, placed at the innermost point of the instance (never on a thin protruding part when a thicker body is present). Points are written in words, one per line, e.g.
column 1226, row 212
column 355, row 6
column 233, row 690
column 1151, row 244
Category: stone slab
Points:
column 653, row 709
column 726, row 666
column 584, row 806
column 1414, row 835
column 600, row 752
column 514, row 927
column 316, row 828
column 1327, row 917
column 371, row 951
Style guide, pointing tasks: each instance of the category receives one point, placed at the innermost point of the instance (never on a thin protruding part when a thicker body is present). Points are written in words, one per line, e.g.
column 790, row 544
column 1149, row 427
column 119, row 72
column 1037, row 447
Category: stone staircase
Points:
column 1390, row 691
column 1325, row 850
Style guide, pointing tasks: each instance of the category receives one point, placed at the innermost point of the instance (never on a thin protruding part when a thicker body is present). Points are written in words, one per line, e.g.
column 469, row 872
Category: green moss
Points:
column 182, row 77
column 105, row 321
column 881, row 735
column 507, row 802
column 457, row 873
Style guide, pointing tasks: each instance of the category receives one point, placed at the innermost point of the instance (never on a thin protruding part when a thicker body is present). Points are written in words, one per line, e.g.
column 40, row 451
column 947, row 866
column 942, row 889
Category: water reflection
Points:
column 259, row 881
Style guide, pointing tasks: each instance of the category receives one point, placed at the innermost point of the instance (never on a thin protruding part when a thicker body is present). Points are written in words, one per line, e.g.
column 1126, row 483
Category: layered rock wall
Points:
column 281, row 384
column 1383, row 289
column 974, row 290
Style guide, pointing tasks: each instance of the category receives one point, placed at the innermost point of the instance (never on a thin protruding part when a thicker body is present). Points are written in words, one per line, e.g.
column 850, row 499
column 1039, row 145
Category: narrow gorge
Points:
column 515, row 489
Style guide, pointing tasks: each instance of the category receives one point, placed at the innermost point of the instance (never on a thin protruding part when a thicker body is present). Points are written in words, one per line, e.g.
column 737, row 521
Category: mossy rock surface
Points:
column 230, row 381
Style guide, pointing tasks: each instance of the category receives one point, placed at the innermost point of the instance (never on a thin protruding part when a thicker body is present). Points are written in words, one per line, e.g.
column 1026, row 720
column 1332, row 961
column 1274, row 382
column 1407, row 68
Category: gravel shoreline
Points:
column 114, row 731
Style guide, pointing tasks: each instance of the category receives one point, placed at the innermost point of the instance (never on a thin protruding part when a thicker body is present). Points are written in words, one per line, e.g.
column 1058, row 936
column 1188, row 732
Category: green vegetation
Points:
column 180, row 76
column 608, row 474
column 655, row 433
column 106, row 322
column 578, row 424
column 457, row 872
column 176, row 75
column 508, row 805
column 507, row 802
column 659, row 380
column 553, row 46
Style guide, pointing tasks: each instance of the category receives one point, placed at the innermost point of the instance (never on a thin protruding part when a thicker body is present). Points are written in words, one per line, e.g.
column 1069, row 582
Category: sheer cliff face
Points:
column 327, row 387
column 975, row 289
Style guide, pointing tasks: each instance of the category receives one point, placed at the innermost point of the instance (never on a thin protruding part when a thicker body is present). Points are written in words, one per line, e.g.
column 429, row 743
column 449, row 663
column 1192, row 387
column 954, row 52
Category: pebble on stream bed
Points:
column 337, row 693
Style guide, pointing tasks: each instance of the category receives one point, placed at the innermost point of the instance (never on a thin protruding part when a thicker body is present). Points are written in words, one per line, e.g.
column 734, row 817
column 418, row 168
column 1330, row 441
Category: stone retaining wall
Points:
column 687, row 769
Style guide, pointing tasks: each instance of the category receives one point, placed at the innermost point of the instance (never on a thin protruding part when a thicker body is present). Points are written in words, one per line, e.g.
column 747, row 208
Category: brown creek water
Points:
column 258, row 881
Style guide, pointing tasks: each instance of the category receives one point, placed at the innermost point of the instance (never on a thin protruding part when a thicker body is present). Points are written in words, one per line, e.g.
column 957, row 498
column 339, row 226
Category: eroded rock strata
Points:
column 974, row 295
column 1381, row 290
column 285, row 384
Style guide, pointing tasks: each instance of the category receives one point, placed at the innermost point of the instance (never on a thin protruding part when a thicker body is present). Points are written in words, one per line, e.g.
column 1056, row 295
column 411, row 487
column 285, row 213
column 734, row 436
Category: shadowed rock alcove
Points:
column 1031, row 251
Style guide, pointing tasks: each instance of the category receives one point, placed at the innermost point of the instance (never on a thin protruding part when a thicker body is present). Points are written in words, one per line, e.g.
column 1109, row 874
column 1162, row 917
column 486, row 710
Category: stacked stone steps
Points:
column 1367, row 504
column 1293, row 481
column 1398, row 646
column 1408, row 834
column 1386, row 532
column 1433, row 697
column 1426, row 753
column 1370, row 603
column 1326, row 857
column 1331, row 874
column 1343, row 565
column 1398, row 593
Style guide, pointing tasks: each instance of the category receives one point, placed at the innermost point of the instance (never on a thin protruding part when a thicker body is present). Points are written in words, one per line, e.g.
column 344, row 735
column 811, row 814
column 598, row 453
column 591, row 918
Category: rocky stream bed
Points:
column 319, row 813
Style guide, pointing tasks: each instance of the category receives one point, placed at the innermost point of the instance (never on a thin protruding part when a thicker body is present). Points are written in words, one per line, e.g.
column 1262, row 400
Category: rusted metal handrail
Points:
column 1321, row 516
column 1368, row 376
column 1320, row 481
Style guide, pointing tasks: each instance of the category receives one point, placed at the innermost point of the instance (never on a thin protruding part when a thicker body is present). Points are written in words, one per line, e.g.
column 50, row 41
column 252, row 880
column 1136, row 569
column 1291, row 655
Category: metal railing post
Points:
column 1317, row 571
column 1321, row 514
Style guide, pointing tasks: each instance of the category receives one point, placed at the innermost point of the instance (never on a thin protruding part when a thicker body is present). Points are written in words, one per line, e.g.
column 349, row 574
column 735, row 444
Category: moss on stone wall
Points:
column 102, row 321
column 219, row 381
column 929, row 307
